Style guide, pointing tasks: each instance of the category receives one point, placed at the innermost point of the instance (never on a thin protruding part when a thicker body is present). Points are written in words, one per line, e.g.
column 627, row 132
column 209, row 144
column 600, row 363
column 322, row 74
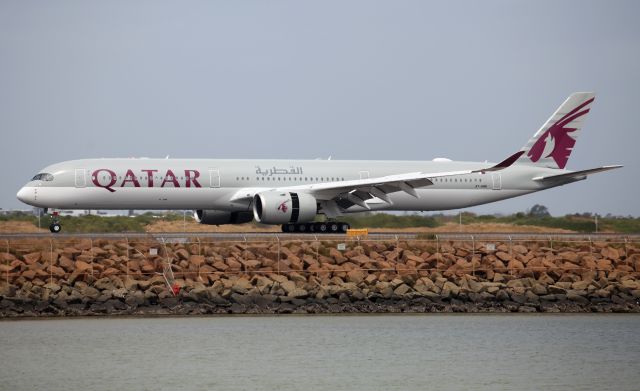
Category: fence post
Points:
column 51, row 261
column 92, row 256
column 8, row 261
column 278, row 262
column 128, row 256
column 510, row 246
column 473, row 255
column 437, row 244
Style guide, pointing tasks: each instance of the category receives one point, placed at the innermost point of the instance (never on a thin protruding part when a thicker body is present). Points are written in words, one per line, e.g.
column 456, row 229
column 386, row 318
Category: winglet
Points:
column 503, row 164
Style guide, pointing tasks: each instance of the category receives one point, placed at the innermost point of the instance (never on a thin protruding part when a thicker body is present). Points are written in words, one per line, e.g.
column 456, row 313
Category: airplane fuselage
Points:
column 212, row 183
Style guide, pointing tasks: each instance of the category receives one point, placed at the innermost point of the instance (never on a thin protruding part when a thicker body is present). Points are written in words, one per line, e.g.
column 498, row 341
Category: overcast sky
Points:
column 467, row 80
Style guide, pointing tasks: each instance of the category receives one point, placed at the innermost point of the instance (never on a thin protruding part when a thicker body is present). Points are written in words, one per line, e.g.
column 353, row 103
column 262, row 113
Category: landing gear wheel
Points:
column 288, row 228
column 55, row 228
column 321, row 227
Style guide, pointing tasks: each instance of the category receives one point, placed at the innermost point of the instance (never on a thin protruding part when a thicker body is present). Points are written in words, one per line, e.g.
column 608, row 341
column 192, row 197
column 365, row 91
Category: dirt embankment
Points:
column 100, row 277
column 10, row 227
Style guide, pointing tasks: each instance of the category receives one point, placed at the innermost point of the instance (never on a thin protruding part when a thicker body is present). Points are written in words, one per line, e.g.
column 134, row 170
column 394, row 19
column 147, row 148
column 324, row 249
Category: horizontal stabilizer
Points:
column 575, row 175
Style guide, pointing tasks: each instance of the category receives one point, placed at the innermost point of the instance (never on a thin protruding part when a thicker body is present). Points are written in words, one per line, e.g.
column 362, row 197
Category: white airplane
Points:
column 293, row 192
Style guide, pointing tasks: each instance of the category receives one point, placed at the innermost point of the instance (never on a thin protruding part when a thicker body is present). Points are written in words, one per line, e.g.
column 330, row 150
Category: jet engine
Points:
column 220, row 217
column 279, row 207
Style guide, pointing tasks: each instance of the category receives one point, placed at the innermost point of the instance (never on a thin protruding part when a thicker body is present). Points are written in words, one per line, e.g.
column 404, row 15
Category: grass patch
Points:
column 583, row 223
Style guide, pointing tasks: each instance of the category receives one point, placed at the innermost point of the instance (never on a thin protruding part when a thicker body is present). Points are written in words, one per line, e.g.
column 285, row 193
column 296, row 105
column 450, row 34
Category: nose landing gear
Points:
column 55, row 226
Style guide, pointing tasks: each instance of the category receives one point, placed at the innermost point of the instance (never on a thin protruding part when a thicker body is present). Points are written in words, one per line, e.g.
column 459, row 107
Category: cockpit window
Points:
column 43, row 177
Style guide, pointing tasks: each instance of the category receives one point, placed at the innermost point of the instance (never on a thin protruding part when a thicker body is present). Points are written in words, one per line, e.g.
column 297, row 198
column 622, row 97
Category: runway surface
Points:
column 253, row 236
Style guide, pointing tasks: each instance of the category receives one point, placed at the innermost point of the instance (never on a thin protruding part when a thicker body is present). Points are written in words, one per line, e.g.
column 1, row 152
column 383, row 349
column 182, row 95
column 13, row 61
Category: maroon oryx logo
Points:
column 283, row 207
column 557, row 142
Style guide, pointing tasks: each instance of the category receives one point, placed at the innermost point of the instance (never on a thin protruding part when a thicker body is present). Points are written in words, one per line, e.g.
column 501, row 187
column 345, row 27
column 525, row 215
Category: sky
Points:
column 408, row 80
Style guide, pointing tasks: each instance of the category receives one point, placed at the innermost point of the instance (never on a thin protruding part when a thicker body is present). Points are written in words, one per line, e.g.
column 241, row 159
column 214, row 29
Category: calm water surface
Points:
column 399, row 352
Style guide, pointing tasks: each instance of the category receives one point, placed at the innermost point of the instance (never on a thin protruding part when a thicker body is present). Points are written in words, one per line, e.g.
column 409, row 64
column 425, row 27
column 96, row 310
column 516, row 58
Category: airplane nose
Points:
column 25, row 194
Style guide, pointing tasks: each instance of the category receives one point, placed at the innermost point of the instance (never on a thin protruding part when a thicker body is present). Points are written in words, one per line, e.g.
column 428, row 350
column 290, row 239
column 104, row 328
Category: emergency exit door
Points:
column 496, row 180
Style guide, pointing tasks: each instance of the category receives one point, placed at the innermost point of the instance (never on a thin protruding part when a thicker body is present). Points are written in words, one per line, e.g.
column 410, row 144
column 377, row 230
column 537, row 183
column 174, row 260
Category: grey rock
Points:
column 298, row 293
column 358, row 295
column 199, row 295
column 237, row 308
column 387, row 292
column 553, row 289
column 539, row 289
column 576, row 297
column 241, row 286
column 170, row 302
column 90, row 292
column 502, row 295
column 298, row 302
column 150, row 297
column 263, row 301
column 8, row 290
column 241, row 299
column 114, row 304
column 53, row 287
column 104, row 283
column 518, row 298
column 402, row 290
column 532, row 297
column 135, row 299
column 288, row 286
column 119, row 293
column 450, row 289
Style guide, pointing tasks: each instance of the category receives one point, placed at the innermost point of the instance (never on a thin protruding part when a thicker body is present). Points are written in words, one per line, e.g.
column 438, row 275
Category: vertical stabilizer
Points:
column 553, row 143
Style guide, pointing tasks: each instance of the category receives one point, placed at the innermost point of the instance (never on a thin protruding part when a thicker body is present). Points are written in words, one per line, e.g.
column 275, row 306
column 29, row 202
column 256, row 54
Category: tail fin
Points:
column 553, row 142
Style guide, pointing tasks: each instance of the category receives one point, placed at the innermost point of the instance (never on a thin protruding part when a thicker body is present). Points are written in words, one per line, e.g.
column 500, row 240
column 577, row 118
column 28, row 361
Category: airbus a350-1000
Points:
column 292, row 193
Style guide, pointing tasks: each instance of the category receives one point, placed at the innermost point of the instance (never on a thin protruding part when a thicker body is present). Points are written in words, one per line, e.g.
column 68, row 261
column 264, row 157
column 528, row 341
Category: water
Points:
column 399, row 352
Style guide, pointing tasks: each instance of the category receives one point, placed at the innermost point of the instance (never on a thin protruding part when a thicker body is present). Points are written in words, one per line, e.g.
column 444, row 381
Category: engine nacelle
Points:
column 279, row 207
column 220, row 217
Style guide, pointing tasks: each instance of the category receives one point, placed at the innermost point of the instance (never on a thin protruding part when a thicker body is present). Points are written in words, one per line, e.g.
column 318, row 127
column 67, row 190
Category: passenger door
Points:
column 214, row 177
column 81, row 177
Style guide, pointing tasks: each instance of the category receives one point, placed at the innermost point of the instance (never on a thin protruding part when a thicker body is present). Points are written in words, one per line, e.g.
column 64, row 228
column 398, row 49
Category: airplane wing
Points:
column 344, row 194
column 577, row 175
column 359, row 190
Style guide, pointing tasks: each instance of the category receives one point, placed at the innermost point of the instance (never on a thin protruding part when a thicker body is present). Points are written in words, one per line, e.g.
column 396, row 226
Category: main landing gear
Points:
column 329, row 227
column 55, row 226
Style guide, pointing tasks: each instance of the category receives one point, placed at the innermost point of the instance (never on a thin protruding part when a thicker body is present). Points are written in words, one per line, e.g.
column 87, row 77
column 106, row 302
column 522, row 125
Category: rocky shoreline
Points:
column 116, row 277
